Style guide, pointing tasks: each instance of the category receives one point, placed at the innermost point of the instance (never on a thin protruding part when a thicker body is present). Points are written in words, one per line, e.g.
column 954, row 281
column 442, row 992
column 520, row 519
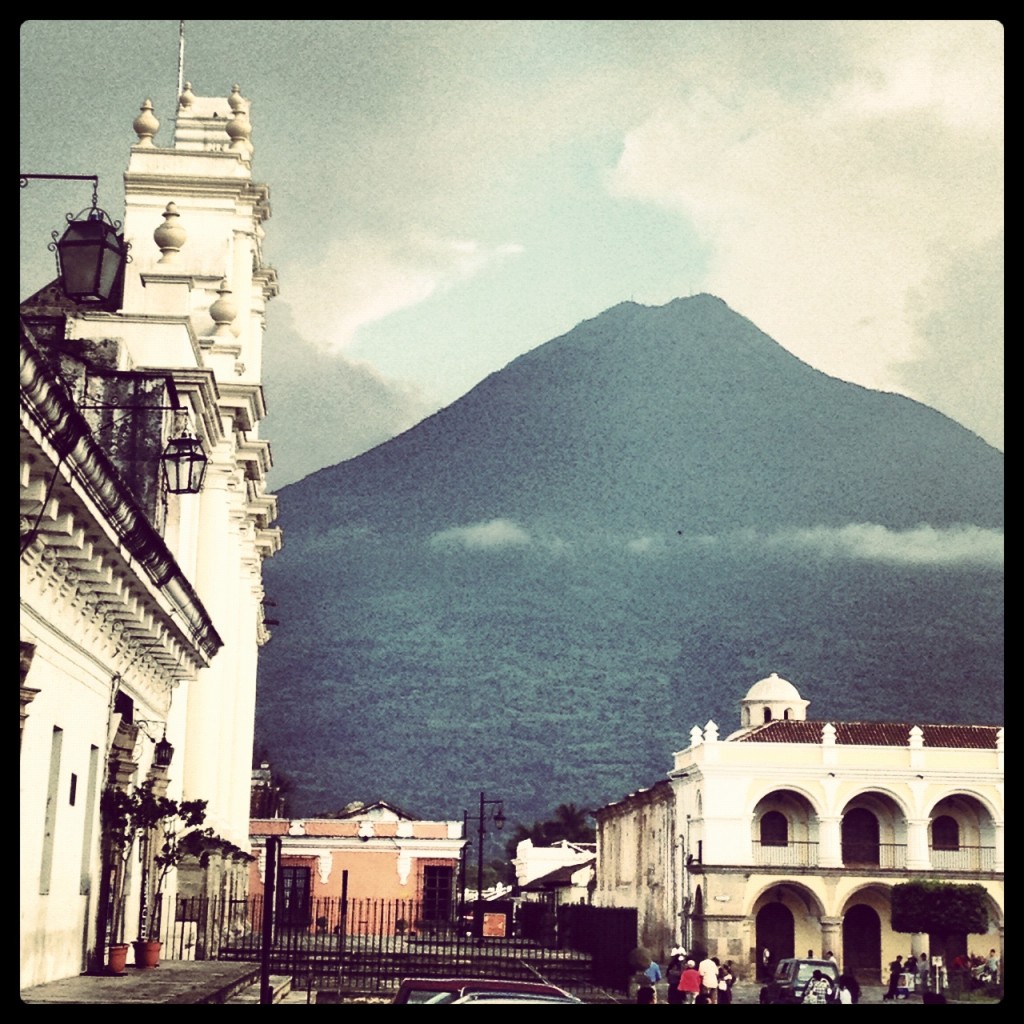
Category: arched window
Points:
column 774, row 829
column 767, row 714
column 860, row 837
column 945, row 833
column 785, row 714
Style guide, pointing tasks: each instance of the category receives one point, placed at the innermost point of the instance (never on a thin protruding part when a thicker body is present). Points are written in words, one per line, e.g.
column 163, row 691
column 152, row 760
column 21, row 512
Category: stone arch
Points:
column 962, row 834
column 862, row 942
column 874, row 830
column 787, row 917
column 791, row 842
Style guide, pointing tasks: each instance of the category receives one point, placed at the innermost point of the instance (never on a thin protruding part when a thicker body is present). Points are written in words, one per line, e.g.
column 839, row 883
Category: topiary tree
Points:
column 943, row 910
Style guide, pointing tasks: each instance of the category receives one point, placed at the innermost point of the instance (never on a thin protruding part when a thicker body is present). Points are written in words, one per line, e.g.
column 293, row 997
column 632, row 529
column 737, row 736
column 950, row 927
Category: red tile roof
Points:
column 874, row 734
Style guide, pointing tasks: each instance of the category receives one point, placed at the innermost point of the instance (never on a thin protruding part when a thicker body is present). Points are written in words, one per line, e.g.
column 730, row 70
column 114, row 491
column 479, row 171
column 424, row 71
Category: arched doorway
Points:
column 862, row 944
column 860, row 838
column 775, row 931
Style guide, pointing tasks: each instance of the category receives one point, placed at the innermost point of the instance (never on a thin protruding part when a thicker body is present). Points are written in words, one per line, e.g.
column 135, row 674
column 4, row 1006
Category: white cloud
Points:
column 491, row 535
column 643, row 545
column 830, row 211
column 364, row 278
column 924, row 545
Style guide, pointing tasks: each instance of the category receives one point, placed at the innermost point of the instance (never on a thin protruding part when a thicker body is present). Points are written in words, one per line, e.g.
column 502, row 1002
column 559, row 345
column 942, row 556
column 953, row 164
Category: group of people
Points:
column 698, row 979
column 916, row 971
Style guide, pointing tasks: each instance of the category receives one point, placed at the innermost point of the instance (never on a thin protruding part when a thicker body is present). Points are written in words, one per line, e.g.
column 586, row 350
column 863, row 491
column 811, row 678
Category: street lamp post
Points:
column 499, row 820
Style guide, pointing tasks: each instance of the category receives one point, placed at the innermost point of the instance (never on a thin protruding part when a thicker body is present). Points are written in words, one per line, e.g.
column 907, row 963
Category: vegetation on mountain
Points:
column 541, row 589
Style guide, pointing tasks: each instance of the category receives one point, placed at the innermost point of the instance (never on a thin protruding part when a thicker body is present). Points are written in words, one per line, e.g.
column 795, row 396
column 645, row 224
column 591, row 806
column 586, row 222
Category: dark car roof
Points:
column 463, row 985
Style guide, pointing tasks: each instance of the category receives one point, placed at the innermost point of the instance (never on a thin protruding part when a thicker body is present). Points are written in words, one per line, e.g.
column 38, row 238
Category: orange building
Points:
column 374, row 864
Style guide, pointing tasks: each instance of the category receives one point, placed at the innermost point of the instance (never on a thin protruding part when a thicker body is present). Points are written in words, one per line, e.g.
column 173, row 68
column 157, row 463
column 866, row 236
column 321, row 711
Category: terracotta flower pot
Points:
column 116, row 956
column 147, row 954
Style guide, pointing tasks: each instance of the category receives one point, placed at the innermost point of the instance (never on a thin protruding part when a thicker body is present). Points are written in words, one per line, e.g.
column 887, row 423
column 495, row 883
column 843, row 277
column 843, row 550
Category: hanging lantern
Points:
column 184, row 463
column 163, row 753
column 90, row 256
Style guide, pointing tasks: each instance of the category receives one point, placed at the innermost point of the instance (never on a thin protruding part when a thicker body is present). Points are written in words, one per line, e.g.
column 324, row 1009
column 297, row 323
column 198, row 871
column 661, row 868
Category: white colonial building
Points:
column 142, row 609
column 789, row 834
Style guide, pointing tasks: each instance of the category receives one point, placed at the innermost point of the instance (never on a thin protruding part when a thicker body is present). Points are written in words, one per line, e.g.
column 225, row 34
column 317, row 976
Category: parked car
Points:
column 447, row 990
column 791, row 977
column 512, row 998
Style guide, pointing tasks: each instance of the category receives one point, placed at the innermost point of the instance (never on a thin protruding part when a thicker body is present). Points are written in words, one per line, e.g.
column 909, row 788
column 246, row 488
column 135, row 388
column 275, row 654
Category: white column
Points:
column 830, row 847
column 918, row 858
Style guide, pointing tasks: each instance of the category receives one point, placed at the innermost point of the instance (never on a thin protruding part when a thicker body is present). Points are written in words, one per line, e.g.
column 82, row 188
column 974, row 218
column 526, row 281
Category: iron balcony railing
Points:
column 876, row 855
column 964, row 858
column 789, row 855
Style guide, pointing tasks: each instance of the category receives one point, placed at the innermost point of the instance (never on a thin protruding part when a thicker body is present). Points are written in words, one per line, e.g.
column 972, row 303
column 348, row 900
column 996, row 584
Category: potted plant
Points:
column 169, row 824
column 119, row 832
column 143, row 814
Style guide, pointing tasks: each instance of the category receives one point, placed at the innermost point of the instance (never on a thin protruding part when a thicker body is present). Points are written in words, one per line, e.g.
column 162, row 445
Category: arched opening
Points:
column 774, row 829
column 945, row 833
column 862, row 944
column 774, row 932
column 860, row 838
column 767, row 714
column 698, row 935
column 785, row 714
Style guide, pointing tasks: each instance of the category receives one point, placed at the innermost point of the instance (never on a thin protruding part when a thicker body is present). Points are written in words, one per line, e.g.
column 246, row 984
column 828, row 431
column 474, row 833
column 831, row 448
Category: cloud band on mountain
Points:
column 491, row 535
column 924, row 545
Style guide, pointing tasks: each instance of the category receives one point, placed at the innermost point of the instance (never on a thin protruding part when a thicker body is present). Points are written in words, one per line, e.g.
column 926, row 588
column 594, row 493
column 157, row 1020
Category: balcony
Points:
column 785, row 855
column 888, row 856
column 963, row 858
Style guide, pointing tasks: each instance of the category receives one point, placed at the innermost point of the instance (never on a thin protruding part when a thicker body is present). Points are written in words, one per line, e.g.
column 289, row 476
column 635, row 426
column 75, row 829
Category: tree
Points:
column 943, row 910
column 569, row 822
column 131, row 815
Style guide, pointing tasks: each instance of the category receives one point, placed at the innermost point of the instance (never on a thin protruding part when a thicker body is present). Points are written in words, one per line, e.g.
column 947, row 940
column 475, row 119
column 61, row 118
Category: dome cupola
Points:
column 771, row 699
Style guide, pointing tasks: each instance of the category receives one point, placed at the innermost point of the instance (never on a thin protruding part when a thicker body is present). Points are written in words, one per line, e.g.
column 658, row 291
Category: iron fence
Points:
column 368, row 946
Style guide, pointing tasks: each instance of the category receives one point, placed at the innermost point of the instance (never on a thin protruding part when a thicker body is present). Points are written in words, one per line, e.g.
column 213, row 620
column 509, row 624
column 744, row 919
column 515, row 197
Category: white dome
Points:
column 773, row 688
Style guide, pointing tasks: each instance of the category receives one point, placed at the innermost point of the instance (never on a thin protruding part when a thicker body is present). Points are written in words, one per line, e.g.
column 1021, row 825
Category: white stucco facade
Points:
column 789, row 834
column 139, row 605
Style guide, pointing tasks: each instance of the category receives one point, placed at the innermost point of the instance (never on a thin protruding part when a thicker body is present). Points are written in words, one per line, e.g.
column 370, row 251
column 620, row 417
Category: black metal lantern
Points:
column 184, row 463
column 90, row 255
column 163, row 753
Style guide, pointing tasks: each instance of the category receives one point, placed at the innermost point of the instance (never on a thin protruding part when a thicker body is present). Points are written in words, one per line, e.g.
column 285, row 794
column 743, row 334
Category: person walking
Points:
column 895, row 970
column 910, row 970
column 818, row 990
column 708, row 970
column 673, row 972
column 689, row 982
column 845, row 994
column 725, row 981
column 923, row 973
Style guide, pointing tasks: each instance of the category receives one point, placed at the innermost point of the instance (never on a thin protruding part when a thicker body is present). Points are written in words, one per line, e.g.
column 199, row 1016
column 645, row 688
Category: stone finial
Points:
column 915, row 737
column 187, row 97
column 223, row 311
column 145, row 124
column 170, row 236
column 828, row 735
column 711, row 732
column 239, row 128
column 696, row 736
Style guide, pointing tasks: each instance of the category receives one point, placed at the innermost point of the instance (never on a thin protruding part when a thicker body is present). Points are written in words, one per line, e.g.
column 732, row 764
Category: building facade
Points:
column 141, row 609
column 394, row 872
column 789, row 834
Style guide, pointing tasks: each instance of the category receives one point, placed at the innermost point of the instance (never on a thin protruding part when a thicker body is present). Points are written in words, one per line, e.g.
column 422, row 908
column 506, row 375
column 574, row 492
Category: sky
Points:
column 447, row 195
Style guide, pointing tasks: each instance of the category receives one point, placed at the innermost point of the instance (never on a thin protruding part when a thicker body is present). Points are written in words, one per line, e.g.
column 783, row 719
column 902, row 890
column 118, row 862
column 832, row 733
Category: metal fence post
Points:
column 269, row 888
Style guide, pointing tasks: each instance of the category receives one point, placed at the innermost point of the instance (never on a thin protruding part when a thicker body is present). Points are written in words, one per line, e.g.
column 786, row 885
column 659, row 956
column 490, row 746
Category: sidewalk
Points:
column 174, row 981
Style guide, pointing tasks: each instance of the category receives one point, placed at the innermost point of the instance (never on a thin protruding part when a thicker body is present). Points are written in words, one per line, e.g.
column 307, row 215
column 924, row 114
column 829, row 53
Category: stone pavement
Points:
column 174, row 981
